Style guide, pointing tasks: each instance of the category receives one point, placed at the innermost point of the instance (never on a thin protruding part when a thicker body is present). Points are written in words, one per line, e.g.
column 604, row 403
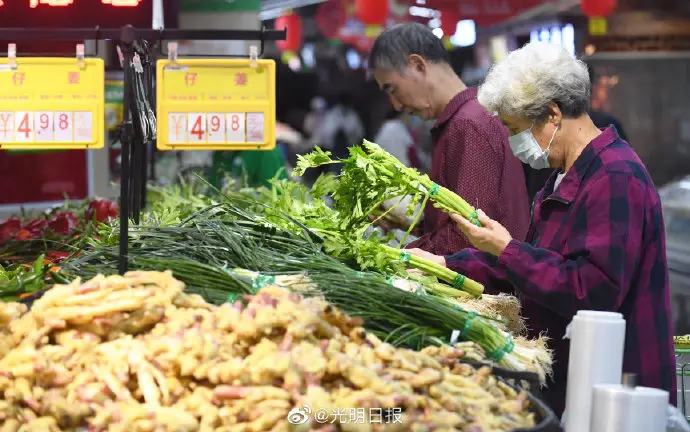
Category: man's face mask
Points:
column 526, row 148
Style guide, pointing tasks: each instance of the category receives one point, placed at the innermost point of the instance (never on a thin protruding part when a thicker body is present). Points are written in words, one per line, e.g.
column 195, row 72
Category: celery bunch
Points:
column 371, row 176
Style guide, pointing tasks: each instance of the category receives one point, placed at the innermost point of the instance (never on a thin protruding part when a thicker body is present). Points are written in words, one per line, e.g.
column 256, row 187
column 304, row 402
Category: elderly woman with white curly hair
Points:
column 596, row 239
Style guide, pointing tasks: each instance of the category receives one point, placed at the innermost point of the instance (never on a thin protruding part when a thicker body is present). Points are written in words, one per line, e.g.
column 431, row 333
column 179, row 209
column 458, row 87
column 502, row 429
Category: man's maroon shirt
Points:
column 472, row 158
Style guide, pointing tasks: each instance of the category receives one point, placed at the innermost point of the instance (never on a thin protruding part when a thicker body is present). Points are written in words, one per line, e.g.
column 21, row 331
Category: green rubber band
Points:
column 405, row 257
column 500, row 352
column 468, row 324
column 433, row 190
column 232, row 298
column 420, row 291
column 459, row 281
column 360, row 274
column 474, row 219
column 389, row 280
column 262, row 281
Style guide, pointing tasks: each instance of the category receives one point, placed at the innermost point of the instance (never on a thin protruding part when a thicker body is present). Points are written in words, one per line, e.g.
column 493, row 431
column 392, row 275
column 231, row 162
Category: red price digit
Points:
column 235, row 122
column 215, row 123
column 63, row 121
column 43, row 121
column 24, row 126
column 196, row 129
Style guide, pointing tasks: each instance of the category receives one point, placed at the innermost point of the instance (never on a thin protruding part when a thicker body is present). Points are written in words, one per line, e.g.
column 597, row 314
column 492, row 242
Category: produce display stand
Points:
column 683, row 371
column 84, row 112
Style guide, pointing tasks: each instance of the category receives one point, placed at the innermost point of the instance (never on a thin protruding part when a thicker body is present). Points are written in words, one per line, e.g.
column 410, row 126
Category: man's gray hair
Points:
column 396, row 44
column 531, row 78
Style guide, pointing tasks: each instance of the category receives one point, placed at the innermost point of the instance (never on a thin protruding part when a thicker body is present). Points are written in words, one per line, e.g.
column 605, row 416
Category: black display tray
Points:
column 528, row 382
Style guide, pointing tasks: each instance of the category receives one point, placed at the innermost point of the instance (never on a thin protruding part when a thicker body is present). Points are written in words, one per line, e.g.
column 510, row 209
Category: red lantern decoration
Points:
column 373, row 12
column 598, row 8
column 449, row 21
column 293, row 41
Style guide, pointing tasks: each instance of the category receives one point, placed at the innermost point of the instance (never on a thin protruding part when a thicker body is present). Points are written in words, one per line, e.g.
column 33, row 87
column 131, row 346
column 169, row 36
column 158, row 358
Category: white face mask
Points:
column 526, row 148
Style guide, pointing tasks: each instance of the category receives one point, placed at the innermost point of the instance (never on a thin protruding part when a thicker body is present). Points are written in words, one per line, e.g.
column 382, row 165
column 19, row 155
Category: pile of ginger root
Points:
column 135, row 353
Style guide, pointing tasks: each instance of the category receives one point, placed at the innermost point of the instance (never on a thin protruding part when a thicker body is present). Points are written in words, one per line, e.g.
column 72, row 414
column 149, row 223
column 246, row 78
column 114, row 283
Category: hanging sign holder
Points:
column 249, row 125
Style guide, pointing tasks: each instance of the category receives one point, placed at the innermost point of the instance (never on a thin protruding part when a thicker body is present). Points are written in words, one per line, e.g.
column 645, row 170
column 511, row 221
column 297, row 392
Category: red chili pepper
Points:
column 102, row 210
column 24, row 234
column 56, row 256
column 36, row 227
column 10, row 228
column 63, row 223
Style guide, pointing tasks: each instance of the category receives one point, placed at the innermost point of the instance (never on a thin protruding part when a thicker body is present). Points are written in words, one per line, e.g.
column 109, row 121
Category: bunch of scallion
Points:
column 306, row 209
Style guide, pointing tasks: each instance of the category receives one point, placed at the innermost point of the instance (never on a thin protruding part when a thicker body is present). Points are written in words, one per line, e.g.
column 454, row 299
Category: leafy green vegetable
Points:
column 371, row 176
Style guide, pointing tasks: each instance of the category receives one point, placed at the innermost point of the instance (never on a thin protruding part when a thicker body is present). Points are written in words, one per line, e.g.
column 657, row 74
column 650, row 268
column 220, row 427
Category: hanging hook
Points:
column 136, row 62
column 12, row 55
column 121, row 56
column 80, row 56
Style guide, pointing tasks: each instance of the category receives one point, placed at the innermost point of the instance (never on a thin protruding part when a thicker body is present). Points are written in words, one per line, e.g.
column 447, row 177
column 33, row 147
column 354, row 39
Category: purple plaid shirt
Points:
column 595, row 243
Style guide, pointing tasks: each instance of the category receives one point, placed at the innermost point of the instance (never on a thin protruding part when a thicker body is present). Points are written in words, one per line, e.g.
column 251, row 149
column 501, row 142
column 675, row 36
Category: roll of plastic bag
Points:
column 675, row 420
column 611, row 404
column 596, row 357
column 648, row 411
column 617, row 408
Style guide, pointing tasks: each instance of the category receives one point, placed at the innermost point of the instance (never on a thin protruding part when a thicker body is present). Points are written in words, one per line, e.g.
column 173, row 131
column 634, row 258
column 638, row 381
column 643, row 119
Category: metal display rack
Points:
column 137, row 49
column 682, row 371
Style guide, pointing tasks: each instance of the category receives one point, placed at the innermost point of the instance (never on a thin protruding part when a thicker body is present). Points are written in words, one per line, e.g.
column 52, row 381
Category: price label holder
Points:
column 51, row 103
column 216, row 104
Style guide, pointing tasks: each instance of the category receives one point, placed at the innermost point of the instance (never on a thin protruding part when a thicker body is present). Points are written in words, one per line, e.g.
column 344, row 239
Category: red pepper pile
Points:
column 102, row 210
column 59, row 224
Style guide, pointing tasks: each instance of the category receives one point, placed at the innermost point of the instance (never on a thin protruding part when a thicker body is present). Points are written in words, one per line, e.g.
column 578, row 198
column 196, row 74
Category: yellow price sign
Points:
column 51, row 103
column 216, row 104
column 598, row 26
column 682, row 341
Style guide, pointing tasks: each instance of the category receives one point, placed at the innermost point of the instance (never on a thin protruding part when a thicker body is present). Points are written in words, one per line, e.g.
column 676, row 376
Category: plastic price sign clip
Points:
column 253, row 56
column 216, row 104
column 52, row 103
column 172, row 57
column 172, row 52
column 80, row 56
column 12, row 55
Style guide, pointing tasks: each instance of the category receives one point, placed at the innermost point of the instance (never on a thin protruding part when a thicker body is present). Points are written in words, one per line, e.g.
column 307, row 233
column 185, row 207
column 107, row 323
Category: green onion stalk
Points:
column 349, row 243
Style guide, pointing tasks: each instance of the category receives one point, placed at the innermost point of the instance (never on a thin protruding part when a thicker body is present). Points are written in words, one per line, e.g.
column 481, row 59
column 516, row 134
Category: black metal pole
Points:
column 96, row 33
column 151, row 88
column 147, row 151
column 126, row 40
